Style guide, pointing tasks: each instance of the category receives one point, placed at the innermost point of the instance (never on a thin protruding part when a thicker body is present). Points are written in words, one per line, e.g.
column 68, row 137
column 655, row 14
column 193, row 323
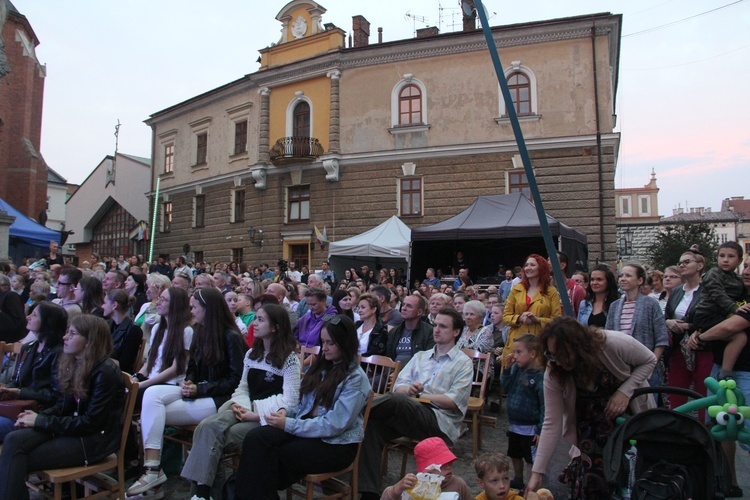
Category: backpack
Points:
column 664, row 480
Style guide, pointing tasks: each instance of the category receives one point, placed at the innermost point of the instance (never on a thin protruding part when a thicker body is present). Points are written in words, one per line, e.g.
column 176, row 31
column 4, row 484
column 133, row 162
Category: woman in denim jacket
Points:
column 601, row 292
column 322, row 433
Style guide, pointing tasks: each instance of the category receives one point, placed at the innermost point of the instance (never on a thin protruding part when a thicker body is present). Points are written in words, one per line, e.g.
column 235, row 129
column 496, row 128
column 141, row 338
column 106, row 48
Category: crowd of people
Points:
column 221, row 345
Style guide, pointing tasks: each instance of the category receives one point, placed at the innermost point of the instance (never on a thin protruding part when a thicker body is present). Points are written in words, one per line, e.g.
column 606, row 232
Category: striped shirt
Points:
column 626, row 318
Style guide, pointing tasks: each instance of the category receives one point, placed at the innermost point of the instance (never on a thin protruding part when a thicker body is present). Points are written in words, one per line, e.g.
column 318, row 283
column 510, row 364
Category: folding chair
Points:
column 381, row 371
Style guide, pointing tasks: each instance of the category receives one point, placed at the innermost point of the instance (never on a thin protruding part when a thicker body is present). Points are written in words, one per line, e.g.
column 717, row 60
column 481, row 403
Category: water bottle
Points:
column 630, row 459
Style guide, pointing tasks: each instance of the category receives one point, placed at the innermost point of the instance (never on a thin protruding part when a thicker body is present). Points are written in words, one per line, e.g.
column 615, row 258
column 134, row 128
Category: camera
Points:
column 283, row 266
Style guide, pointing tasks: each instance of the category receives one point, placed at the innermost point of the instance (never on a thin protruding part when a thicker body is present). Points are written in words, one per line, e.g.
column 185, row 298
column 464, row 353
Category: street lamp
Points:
column 253, row 233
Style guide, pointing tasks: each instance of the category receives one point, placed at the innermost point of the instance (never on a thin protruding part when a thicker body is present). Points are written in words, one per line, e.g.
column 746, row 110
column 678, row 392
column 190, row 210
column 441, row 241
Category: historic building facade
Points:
column 637, row 220
column 22, row 167
column 344, row 137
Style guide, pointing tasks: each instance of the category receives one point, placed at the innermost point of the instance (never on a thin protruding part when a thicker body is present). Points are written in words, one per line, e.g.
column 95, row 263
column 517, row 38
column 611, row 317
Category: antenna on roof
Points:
column 415, row 18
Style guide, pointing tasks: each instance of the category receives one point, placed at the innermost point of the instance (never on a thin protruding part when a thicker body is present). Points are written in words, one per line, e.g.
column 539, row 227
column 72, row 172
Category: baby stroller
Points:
column 672, row 448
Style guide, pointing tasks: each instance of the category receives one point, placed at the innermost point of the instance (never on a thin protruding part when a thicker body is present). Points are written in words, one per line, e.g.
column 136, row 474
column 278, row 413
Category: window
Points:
column 644, row 205
column 723, row 237
column 520, row 92
column 110, row 236
column 199, row 219
column 410, row 105
column 411, row 196
column 237, row 255
column 518, row 183
column 168, row 158
column 202, row 149
column 523, row 94
column 625, row 206
column 301, row 120
column 198, row 256
column 166, row 225
column 240, row 137
column 238, row 205
column 299, row 203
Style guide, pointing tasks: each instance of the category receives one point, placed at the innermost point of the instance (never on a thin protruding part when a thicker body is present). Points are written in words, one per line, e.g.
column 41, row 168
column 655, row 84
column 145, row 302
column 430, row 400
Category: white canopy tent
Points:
column 387, row 244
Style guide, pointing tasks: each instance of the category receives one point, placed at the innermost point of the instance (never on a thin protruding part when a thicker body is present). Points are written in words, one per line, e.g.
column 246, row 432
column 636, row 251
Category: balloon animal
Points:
column 727, row 406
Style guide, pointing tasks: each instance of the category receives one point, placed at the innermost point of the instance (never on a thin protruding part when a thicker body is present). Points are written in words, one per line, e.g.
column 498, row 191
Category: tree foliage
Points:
column 676, row 239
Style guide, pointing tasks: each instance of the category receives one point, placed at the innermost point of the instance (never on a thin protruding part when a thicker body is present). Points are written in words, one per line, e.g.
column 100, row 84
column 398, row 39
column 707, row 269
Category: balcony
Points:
column 295, row 150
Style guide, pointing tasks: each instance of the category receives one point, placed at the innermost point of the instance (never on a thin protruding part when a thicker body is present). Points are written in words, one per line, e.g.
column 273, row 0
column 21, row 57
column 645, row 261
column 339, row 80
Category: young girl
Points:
column 270, row 379
column 522, row 380
column 170, row 341
column 90, row 296
column 231, row 299
column 212, row 375
column 327, row 424
column 126, row 335
column 84, row 425
column 722, row 288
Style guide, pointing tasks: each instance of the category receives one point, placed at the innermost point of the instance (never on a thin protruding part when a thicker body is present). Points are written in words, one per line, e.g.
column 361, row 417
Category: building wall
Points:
column 57, row 195
column 22, row 167
column 466, row 149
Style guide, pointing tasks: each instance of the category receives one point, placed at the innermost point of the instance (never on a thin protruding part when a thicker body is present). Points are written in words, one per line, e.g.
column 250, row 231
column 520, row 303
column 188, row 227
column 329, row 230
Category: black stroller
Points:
column 668, row 442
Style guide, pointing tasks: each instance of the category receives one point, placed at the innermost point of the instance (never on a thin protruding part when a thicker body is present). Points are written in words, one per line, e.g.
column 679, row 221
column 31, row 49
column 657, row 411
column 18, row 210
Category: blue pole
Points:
column 533, row 186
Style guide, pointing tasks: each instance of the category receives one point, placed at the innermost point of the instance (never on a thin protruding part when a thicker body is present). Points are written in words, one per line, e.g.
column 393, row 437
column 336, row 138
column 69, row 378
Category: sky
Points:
column 681, row 100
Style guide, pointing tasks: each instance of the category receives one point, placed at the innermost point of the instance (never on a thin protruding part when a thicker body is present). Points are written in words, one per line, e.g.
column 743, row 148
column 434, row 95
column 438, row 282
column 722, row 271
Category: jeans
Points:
column 6, row 425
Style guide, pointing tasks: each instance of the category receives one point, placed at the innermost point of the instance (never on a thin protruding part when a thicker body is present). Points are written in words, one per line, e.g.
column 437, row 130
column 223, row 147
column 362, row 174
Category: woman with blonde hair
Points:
column 147, row 316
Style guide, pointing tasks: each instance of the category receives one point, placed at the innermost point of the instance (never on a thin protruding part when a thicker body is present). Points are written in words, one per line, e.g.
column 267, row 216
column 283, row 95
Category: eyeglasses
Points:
column 72, row 333
column 553, row 358
column 331, row 319
column 162, row 300
column 686, row 262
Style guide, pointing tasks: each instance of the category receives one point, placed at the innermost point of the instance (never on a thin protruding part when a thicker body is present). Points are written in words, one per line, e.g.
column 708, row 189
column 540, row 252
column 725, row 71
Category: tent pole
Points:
column 533, row 186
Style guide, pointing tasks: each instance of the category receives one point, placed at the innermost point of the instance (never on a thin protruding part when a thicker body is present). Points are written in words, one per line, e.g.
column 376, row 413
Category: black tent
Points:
column 494, row 230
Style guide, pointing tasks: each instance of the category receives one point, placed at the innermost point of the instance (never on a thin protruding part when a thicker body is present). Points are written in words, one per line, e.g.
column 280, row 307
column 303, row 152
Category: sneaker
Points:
column 196, row 497
column 150, row 479
column 734, row 491
column 155, row 494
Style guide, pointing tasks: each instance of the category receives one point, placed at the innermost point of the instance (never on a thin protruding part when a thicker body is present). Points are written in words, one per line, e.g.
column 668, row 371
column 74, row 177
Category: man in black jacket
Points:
column 411, row 336
column 12, row 317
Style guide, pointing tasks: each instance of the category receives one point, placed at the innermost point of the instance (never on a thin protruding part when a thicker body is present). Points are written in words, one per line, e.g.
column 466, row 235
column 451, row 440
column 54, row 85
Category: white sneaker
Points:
column 148, row 481
column 196, row 497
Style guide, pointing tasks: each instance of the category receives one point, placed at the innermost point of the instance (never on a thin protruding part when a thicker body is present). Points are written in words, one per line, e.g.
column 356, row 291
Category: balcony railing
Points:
column 295, row 149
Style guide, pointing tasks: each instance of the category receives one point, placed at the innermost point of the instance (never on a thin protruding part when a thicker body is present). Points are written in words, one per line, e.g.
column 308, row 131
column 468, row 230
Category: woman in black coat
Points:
column 35, row 375
column 85, row 424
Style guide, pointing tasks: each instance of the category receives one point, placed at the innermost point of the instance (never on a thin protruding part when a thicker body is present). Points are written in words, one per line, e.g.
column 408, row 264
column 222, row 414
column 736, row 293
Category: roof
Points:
column 53, row 176
column 495, row 217
column 702, row 217
column 27, row 229
column 139, row 159
column 389, row 239
column 739, row 206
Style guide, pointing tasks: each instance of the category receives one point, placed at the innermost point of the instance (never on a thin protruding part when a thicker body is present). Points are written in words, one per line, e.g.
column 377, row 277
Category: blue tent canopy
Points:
column 28, row 230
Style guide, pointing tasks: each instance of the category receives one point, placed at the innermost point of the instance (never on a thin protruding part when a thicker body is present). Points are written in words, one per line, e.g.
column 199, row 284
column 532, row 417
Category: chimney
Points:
column 361, row 29
column 380, row 35
column 429, row 31
column 470, row 20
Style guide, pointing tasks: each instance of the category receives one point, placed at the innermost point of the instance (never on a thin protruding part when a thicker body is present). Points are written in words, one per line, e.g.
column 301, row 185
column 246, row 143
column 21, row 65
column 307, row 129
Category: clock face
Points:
column 299, row 28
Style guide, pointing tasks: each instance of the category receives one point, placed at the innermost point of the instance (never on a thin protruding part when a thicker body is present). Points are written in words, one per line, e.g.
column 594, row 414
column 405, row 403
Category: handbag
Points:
column 10, row 408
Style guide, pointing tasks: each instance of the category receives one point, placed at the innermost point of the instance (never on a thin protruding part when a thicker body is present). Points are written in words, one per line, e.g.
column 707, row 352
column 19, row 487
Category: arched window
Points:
column 523, row 93
column 301, row 120
column 410, row 105
column 520, row 92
